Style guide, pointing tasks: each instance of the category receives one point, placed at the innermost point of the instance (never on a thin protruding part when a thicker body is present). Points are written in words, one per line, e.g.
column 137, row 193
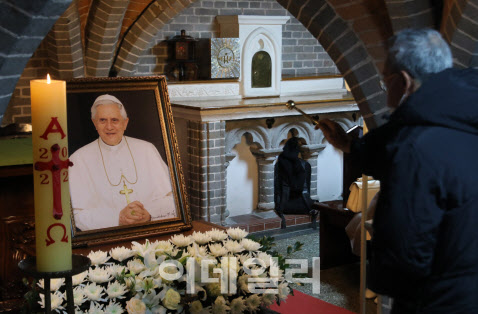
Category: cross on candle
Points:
column 55, row 165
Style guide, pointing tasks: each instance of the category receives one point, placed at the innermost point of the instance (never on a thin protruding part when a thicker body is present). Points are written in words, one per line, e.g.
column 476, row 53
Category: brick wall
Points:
column 19, row 109
column 301, row 52
column 207, row 175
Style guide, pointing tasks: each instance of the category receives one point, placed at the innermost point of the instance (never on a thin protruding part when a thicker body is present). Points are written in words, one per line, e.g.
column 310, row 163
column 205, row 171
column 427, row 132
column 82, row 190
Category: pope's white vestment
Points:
column 97, row 201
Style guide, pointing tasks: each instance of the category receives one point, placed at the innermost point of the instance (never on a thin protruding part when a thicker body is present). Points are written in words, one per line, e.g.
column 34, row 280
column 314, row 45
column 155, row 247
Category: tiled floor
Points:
column 265, row 220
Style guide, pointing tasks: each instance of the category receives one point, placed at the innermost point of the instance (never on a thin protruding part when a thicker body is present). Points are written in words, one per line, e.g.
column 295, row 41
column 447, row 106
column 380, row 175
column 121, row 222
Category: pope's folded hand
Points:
column 133, row 213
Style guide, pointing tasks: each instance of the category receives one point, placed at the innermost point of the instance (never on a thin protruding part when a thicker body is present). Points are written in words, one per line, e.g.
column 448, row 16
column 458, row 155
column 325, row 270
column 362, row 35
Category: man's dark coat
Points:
column 425, row 243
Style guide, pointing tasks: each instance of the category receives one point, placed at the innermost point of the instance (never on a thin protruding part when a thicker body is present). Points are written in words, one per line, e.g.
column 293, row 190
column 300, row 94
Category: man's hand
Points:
column 335, row 135
column 133, row 213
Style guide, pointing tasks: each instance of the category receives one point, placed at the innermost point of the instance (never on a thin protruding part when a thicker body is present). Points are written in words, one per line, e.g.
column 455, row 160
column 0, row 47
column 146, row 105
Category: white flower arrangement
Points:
column 212, row 272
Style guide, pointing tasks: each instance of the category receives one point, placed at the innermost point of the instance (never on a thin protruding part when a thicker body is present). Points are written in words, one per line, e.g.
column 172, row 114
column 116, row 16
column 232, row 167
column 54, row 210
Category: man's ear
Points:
column 126, row 125
column 410, row 83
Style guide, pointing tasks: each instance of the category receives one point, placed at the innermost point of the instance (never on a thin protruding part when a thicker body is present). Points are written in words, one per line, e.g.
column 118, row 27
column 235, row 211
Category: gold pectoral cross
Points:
column 125, row 191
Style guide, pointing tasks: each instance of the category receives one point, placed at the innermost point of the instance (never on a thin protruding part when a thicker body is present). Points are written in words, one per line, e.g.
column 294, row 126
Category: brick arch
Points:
column 459, row 28
column 24, row 24
column 65, row 50
column 347, row 51
column 143, row 31
column 101, row 35
column 414, row 14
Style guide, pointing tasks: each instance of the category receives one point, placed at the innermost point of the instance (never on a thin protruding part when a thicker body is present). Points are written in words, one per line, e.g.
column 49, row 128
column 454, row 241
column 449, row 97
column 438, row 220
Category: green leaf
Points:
column 298, row 246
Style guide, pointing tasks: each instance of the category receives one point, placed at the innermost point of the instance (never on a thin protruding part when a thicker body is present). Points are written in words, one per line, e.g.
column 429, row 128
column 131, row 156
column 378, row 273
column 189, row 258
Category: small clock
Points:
column 182, row 63
column 225, row 57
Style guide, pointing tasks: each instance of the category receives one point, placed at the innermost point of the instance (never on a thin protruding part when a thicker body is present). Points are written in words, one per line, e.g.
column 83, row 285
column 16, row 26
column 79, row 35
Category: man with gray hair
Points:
column 116, row 179
column 424, row 250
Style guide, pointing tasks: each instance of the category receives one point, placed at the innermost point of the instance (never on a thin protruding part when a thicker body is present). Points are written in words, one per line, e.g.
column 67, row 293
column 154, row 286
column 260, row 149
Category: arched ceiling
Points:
column 100, row 38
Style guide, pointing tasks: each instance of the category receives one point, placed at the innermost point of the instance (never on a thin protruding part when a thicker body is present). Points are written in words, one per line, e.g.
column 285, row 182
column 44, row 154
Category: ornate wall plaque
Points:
column 225, row 57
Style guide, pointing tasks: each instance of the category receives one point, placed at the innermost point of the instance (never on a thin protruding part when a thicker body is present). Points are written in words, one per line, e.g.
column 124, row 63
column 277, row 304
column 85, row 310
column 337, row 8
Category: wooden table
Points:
column 335, row 249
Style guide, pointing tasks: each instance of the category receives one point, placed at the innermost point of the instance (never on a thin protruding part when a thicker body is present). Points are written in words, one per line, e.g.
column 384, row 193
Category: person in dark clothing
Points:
column 292, row 183
column 424, row 250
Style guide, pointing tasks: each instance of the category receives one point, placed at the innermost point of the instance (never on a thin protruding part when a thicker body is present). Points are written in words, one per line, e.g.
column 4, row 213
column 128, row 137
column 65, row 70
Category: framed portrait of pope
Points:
column 126, row 181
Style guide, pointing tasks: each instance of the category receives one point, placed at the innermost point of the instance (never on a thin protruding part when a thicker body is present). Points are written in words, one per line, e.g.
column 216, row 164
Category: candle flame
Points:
column 48, row 80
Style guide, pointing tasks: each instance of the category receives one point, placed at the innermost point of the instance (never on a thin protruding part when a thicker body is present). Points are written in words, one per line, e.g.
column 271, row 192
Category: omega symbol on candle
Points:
column 50, row 240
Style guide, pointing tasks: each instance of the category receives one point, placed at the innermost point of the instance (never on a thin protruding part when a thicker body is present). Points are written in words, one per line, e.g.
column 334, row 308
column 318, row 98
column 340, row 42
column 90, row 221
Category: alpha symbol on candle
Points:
column 55, row 165
column 50, row 129
column 49, row 240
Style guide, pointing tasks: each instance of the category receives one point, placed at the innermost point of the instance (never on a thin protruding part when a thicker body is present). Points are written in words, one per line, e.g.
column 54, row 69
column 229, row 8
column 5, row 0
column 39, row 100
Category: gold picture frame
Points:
column 147, row 104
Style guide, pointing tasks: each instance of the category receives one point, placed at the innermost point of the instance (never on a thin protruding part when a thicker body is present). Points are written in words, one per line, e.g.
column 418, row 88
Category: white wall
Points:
column 330, row 174
column 242, row 178
column 242, row 181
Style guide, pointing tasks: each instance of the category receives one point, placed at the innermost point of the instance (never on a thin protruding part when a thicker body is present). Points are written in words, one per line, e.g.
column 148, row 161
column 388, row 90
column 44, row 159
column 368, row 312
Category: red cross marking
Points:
column 55, row 165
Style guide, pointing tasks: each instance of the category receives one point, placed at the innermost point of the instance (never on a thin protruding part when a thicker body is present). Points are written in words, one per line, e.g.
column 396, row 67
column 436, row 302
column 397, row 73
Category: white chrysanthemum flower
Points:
column 242, row 283
column 96, row 308
column 78, row 296
column 253, row 302
column 116, row 290
column 250, row 245
column 197, row 251
column 266, row 258
column 220, row 306
column 217, row 235
column 217, row 249
column 196, row 307
column 237, row 233
column 114, row 308
column 136, row 266
column 98, row 257
column 56, row 300
column 213, row 289
column 244, row 257
column 162, row 247
column 237, row 306
column 180, row 240
column 94, row 292
column 121, row 253
column 116, row 270
column 201, row 238
column 283, row 291
column 233, row 246
column 99, row 275
column 79, row 278
column 55, row 283
column 268, row 297
column 276, row 272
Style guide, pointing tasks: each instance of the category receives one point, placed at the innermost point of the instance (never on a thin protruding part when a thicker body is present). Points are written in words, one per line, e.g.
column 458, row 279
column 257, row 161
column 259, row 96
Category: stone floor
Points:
column 338, row 285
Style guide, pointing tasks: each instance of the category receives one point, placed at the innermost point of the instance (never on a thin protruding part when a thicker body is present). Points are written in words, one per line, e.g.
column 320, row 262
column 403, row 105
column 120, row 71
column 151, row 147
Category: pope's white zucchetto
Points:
column 106, row 99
